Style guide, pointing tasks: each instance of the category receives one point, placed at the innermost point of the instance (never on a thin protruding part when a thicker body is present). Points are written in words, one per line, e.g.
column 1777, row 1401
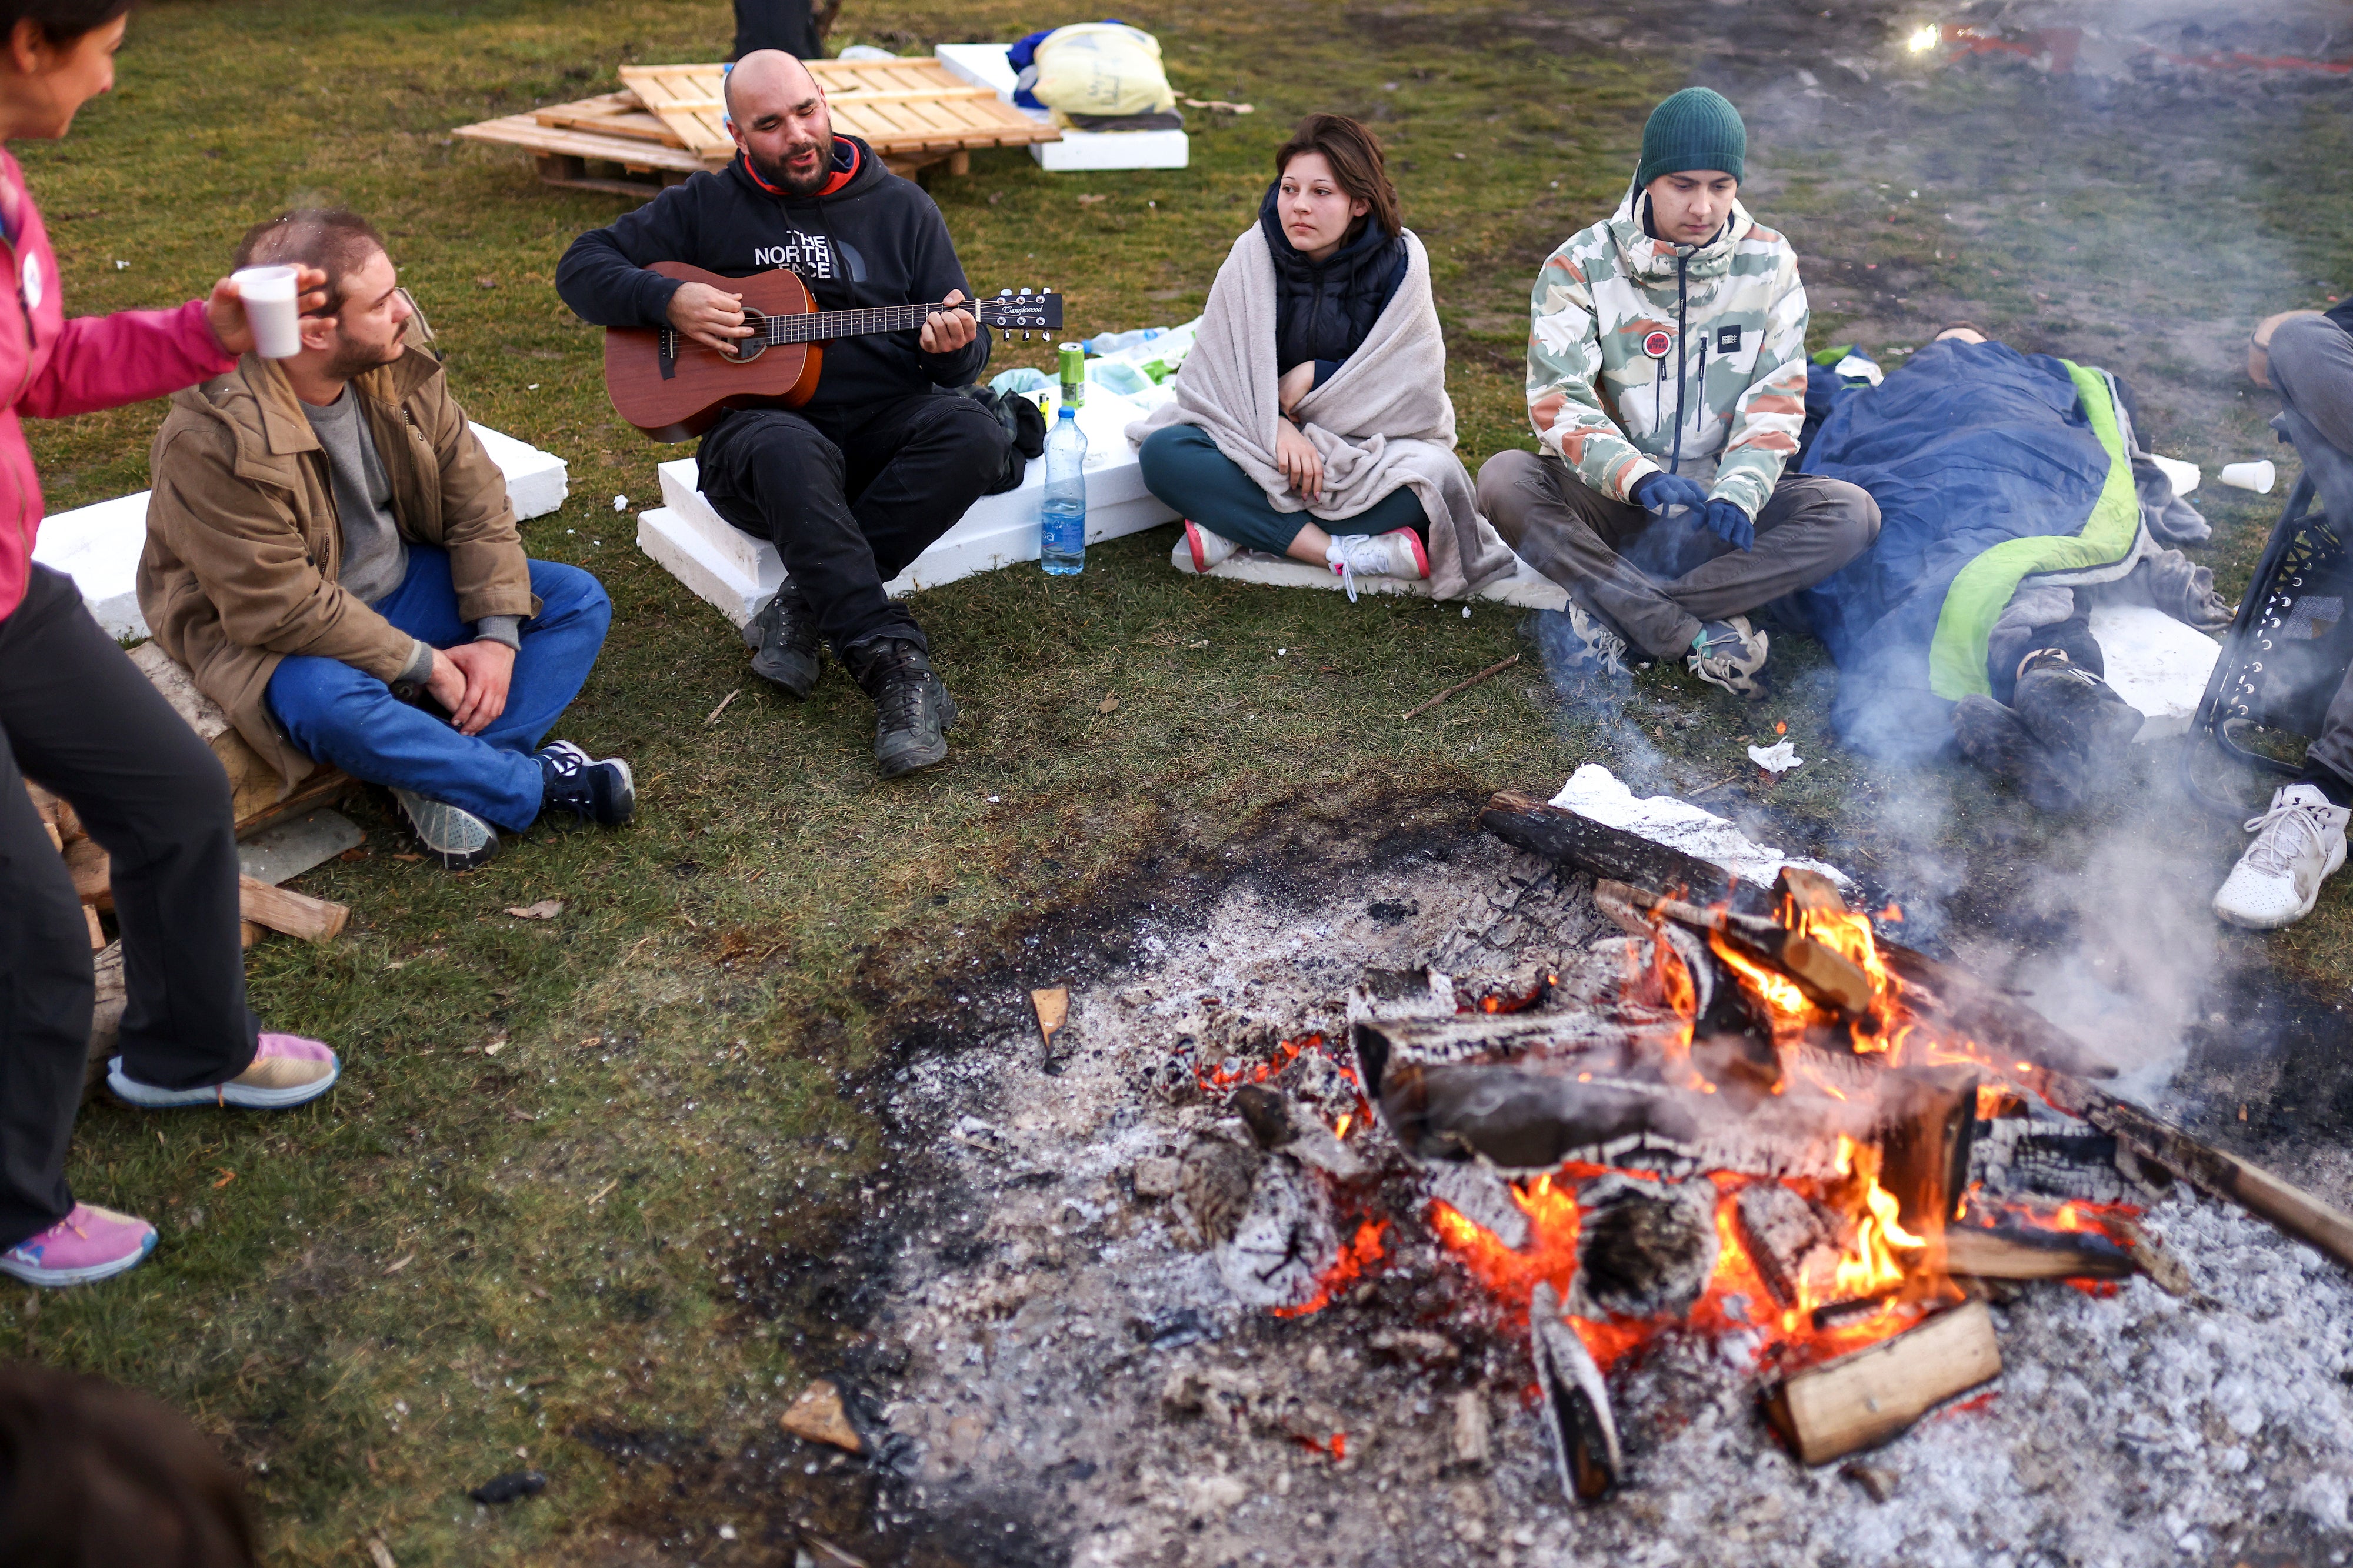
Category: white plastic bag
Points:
column 1101, row 68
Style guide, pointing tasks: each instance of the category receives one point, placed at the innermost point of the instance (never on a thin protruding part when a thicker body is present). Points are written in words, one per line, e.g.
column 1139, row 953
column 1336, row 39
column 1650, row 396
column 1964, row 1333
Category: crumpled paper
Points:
column 1777, row 758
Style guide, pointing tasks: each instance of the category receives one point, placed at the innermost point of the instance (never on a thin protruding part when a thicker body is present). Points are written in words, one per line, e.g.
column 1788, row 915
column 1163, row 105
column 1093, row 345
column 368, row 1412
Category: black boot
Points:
column 2071, row 710
column 913, row 712
column 783, row 640
column 1997, row 740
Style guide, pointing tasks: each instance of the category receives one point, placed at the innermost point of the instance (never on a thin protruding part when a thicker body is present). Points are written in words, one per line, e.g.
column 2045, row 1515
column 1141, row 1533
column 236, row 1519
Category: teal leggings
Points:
column 1183, row 466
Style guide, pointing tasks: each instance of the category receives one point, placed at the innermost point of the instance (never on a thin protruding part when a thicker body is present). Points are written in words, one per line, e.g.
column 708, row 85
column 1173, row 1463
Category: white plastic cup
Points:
column 270, row 310
column 2256, row 477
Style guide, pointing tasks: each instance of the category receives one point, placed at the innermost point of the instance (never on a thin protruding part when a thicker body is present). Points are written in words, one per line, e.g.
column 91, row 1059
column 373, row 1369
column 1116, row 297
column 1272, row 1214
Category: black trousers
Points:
column 850, row 497
column 775, row 25
column 78, row 718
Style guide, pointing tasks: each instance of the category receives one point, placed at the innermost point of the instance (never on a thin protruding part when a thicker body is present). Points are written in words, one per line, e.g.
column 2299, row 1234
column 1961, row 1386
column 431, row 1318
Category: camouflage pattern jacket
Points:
column 1630, row 331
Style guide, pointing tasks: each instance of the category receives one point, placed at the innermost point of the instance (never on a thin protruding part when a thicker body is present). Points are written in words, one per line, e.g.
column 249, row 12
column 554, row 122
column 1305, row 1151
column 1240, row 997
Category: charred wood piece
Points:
column 1576, row 1403
column 1283, row 1243
column 1795, row 1242
column 1829, row 979
column 1478, row 1192
column 2025, row 1252
column 1861, row 1401
column 1276, row 1121
column 1929, row 1120
column 2054, row 1158
column 1644, row 1249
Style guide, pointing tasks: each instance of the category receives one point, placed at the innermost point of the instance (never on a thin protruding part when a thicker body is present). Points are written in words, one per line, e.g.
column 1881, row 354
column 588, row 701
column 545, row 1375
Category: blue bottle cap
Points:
column 1068, row 413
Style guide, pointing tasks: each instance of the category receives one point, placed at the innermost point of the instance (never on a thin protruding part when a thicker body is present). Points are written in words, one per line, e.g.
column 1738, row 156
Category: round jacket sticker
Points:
column 1656, row 342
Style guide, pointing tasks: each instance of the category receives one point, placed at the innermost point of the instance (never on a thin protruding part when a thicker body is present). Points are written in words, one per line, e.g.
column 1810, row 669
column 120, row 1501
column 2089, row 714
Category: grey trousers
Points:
column 2312, row 367
column 1657, row 579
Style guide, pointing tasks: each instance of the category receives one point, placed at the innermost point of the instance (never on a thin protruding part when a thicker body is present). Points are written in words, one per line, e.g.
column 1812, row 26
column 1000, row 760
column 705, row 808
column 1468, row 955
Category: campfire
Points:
column 1754, row 1118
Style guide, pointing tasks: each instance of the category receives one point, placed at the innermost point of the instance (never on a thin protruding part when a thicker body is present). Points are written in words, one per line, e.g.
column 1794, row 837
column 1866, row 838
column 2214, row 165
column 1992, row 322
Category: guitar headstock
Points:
column 1025, row 312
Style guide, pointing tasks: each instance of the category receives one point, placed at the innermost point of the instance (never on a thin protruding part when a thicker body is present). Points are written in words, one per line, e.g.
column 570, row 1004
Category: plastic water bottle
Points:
column 1111, row 343
column 1062, row 521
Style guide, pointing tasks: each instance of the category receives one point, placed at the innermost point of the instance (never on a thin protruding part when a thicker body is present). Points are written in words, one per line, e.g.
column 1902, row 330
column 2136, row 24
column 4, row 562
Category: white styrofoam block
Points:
column 2156, row 663
column 537, row 481
column 983, row 65
column 736, row 571
column 1080, row 151
column 1524, row 586
column 99, row 546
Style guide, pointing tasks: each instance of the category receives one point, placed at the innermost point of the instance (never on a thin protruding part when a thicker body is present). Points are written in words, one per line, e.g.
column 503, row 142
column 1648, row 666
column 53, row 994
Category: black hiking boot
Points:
column 1997, row 740
column 913, row 710
column 2071, row 710
column 783, row 640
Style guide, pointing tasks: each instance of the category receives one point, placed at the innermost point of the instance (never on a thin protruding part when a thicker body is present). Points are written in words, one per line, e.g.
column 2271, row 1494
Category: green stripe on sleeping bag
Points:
column 1982, row 589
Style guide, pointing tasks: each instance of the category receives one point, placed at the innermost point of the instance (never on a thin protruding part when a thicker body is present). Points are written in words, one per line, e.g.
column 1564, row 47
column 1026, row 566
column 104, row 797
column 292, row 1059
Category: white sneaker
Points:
column 1397, row 553
column 1198, row 549
column 1729, row 654
column 2299, row 844
column 456, row 837
column 1592, row 647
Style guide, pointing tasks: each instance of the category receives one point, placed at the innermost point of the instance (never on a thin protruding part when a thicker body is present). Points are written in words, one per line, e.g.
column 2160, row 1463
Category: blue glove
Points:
column 1728, row 522
column 1660, row 490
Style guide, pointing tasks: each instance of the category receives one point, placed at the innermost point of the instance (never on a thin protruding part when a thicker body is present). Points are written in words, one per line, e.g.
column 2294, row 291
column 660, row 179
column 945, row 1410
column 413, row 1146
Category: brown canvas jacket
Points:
column 244, row 545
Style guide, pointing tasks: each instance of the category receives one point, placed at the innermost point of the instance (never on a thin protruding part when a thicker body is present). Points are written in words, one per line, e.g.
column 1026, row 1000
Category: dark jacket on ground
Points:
column 1324, row 310
column 877, row 241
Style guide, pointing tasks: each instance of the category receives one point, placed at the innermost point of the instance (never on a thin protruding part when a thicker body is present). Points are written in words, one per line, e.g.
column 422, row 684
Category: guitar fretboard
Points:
column 819, row 325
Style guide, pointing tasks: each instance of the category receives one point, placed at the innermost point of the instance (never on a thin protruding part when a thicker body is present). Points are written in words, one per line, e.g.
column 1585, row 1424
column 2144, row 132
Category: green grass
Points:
column 522, row 1244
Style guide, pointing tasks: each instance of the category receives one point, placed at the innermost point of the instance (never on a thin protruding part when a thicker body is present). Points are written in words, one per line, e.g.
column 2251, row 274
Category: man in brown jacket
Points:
column 333, row 553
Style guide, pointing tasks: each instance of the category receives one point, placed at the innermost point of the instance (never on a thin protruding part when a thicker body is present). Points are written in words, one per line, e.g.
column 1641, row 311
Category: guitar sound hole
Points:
column 751, row 348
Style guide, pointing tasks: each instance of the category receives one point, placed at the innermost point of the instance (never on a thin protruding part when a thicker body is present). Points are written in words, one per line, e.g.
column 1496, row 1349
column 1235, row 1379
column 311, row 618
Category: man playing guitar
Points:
column 881, row 461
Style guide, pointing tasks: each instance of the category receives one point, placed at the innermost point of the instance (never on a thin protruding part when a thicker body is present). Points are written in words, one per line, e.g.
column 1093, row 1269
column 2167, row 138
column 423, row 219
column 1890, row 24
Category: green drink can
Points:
column 1074, row 376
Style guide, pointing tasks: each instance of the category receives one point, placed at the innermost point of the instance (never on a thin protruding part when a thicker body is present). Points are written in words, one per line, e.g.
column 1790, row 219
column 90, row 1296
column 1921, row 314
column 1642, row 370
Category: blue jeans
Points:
column 1183, row 466
column 350, row 720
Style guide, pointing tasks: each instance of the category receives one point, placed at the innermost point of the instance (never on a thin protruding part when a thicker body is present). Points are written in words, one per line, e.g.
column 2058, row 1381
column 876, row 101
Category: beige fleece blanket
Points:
column 1382, row 423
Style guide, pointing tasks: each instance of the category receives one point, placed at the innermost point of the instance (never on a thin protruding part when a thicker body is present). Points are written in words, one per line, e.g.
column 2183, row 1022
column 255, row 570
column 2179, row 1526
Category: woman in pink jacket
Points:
column 78, row 718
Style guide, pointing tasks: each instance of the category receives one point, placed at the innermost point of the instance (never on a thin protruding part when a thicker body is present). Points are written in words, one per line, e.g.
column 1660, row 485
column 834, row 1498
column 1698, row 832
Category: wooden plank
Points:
column 2036, row 1255
column 295, row 914
column 522, row 130
column 1863, row 1400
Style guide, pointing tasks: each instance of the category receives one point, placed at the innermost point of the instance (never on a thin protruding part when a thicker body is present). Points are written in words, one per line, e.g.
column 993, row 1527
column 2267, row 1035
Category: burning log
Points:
column 1865, row 1399
column 1963, row 1004
column 1644, row 1249
column 1826, row 977
column 1576, row 1403
column 1795, row 1242
column 2020, row 1253
column 1930, row 1117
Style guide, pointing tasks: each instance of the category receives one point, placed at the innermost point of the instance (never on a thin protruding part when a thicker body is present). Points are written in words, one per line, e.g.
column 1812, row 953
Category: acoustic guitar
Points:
column 673, row 388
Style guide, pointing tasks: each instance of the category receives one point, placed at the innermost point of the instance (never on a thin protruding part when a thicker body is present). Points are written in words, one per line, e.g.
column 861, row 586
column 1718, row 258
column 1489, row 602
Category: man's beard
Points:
column 779, row 175
column 351, row 359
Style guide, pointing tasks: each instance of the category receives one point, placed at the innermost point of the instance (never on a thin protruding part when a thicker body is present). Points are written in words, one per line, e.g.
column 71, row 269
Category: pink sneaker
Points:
column 1201, row 548
column 88, row 1244
column 287, row 1071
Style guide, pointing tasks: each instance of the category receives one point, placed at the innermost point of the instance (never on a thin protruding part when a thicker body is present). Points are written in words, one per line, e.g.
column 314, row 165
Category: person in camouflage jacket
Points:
column 1666, row 384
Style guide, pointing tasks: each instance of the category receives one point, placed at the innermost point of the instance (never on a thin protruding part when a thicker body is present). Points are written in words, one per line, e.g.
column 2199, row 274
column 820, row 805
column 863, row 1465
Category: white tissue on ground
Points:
column 1594, row 791
column 1777, row 758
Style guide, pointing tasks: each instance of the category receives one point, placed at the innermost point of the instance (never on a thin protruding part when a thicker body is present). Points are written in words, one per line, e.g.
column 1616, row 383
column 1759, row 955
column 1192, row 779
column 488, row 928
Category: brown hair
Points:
column 336, row 240
column 99, row 1475
column 1357, row 163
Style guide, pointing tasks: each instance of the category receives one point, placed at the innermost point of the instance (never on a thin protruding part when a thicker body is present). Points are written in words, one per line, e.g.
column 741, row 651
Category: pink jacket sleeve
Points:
column 104, row 361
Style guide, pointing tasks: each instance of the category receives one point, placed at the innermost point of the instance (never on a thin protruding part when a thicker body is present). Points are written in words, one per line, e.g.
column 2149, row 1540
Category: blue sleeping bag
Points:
column 1990, row 467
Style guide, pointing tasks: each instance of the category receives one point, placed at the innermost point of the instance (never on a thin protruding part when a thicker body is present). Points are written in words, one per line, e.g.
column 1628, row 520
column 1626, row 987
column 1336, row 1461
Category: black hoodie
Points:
column 1324, row 310
column 877, row 241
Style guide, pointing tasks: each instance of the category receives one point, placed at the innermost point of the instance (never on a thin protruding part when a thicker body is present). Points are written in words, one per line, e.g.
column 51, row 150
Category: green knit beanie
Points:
column 1695, row 128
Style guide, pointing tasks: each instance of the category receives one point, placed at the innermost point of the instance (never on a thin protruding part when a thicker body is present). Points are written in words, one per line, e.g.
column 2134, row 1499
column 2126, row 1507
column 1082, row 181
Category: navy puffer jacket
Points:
column 1324, row 310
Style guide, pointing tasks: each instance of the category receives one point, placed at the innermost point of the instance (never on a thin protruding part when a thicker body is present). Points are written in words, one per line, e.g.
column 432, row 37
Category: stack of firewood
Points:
column 255, row 788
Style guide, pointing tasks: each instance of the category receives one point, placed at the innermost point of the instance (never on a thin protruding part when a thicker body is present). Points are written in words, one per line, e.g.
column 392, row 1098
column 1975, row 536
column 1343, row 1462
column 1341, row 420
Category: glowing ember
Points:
column 1353, row 1259
column 1925, row 37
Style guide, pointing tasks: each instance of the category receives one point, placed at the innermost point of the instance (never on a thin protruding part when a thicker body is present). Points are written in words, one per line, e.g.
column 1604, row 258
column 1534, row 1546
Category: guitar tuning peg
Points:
column 1025, row 293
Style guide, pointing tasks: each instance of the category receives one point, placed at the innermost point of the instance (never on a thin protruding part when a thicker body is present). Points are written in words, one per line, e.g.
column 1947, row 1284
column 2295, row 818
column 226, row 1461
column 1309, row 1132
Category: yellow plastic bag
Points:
column 1101, row 67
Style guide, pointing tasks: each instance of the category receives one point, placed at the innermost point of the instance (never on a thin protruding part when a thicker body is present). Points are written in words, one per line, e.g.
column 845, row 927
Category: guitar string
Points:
column 802, row 328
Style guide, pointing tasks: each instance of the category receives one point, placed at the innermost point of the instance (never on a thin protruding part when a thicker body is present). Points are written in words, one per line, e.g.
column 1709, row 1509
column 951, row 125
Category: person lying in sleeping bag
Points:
column 2013, row 495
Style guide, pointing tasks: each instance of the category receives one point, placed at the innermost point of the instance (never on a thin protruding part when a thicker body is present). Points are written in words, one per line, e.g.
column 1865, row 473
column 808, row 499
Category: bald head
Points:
column 776, row 113
column 767, row 78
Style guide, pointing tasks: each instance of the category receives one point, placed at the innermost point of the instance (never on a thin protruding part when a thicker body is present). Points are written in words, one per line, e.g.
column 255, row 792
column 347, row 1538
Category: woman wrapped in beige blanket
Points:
column 1316, row 390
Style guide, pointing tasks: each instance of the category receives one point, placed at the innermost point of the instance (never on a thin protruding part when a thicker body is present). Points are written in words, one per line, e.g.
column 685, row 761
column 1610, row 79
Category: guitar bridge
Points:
column 667, row 353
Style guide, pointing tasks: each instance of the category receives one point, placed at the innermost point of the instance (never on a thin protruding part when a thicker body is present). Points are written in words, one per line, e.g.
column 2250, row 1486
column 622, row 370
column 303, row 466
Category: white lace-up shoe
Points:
column 1397, row 553
column 1593, row 646
column 1730, row 654
column 2299, row 844
column 1198, row 549
column 456, row 837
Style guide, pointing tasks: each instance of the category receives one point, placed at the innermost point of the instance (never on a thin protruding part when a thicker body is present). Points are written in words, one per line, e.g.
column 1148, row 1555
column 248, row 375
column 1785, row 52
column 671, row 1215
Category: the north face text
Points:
column 810, row 255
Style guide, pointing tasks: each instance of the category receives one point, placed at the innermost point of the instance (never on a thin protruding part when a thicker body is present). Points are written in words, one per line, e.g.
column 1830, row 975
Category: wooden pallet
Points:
column 574, row 149
column 905, row 109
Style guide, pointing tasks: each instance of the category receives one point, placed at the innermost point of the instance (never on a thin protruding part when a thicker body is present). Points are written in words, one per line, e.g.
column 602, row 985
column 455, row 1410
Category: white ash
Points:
column 1073, row 1355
